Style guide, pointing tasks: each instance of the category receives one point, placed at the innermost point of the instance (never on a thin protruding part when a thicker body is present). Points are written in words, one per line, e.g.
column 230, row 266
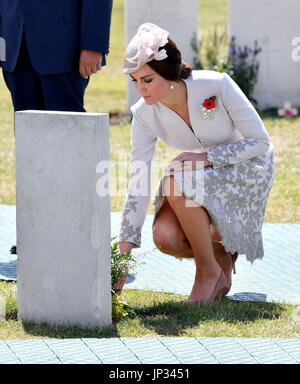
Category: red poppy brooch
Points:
column 207, row 108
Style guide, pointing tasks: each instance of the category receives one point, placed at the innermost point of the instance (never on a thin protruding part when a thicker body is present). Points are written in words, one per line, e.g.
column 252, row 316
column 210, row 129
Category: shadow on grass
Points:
column 172, row 318
column 68, row 332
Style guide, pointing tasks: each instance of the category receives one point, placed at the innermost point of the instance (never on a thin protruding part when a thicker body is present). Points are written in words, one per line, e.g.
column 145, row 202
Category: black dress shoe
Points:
column 13, row 250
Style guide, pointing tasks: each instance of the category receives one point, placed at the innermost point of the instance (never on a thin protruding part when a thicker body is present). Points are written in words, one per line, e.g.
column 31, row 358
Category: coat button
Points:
column 20, row 14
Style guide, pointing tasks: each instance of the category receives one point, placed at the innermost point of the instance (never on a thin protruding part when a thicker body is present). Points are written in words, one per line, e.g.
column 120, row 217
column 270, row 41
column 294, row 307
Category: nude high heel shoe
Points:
column 221, row 284
column 217, row 292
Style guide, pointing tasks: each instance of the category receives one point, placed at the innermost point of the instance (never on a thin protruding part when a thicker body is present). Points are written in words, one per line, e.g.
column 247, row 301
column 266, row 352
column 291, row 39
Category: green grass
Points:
column 165, row 314
column 155, row 313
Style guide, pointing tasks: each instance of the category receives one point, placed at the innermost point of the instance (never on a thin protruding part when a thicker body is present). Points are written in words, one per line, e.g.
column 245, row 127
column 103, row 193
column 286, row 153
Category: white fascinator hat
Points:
column 144, row 47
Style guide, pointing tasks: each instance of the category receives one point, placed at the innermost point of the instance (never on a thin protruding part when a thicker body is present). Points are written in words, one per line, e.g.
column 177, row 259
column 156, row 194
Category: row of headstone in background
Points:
column 275, row 24
column 179, row 17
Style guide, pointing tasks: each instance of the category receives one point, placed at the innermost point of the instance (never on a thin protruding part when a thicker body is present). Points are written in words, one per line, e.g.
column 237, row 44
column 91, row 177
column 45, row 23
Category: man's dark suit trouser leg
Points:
column 30, row 90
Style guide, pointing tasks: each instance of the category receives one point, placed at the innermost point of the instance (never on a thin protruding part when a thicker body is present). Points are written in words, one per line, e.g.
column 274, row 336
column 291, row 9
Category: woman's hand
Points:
column 124, row 247
column 191, row 161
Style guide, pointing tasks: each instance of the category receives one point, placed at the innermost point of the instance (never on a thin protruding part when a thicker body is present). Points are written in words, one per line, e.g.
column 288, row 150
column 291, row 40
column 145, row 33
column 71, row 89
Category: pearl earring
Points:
column 172, row 85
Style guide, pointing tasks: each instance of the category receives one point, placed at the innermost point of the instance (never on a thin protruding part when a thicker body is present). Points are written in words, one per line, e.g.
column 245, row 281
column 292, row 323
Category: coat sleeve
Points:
column 95, row 25
column 245, row 118
column 138, row 196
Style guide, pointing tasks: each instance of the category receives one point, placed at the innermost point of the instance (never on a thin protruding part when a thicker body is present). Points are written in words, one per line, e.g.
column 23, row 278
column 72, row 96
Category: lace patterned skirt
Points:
column 235, row 197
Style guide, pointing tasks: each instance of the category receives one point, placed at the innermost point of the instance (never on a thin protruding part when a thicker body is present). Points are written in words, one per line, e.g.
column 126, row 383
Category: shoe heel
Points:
column 219, row 288
column 233, row 260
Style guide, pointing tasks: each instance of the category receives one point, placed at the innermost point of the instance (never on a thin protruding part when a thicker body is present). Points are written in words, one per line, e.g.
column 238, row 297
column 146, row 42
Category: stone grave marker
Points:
column 275, row 24
column 63, row 225
column 178, row 17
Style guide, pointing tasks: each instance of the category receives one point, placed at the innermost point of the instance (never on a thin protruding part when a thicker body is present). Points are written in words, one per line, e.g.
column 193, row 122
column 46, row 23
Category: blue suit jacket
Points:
column 55, row 31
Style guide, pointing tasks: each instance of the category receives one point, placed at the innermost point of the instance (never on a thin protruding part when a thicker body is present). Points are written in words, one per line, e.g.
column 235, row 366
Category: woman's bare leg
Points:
column 168, row 235
column 196, row 226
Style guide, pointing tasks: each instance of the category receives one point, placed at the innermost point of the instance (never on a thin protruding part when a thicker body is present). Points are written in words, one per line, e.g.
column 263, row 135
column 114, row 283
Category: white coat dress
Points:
column 235, row 190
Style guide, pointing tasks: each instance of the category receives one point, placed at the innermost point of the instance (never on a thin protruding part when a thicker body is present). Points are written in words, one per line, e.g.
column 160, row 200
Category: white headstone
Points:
column 275, row 24
column 63, row 226
column 178, row 17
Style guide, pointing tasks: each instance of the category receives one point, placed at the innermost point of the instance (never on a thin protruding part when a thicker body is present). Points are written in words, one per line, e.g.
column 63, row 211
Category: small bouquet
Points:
column 121, row 263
